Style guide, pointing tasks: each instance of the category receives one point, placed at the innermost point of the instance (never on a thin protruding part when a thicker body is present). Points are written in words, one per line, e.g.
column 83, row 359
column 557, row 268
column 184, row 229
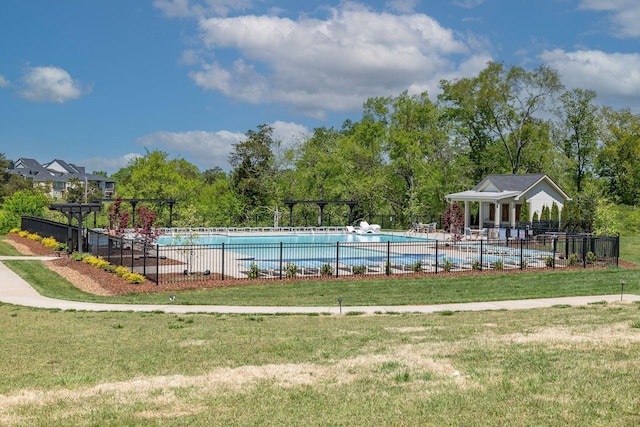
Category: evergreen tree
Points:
column 524, row 211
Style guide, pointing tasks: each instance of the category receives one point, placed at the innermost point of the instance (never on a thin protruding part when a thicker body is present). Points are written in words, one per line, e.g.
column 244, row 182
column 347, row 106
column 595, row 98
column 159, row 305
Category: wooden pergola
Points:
column 134, row 202
column 79, row 211
column 321, row 204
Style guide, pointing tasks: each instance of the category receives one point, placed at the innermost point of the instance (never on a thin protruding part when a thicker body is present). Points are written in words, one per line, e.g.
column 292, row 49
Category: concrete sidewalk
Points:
column 14, row 290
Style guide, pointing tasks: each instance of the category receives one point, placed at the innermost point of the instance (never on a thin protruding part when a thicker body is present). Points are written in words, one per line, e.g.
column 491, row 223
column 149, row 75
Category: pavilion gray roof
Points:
column 511, row 182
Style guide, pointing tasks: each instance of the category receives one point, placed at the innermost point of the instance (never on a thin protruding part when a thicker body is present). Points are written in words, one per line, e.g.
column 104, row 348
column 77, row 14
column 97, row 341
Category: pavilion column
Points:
column 467, row 214
column 497, row 215
column 512, row 213
column 480, row 215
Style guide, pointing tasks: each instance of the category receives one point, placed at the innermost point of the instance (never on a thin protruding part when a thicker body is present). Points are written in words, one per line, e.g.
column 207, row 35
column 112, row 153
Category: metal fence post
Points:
column 387, row 268
column 281, row 260
column 521, row 254
column 337, row 257
column 222, row 267
column 436, row 257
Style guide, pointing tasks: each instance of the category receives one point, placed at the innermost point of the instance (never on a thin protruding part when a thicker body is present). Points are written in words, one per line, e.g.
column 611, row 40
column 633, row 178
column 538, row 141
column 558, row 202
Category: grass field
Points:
column 556, row 366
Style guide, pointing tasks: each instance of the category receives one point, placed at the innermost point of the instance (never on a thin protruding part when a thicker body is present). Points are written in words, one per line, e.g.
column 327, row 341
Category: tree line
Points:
column 407, row 152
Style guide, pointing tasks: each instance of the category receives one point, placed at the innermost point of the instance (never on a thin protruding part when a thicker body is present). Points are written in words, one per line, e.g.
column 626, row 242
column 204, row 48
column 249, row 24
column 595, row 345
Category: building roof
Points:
column 55, row 170
column 498, row 187
column 520, row 183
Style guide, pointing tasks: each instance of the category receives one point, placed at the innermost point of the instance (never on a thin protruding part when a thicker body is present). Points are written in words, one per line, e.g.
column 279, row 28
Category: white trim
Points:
column 488, row 196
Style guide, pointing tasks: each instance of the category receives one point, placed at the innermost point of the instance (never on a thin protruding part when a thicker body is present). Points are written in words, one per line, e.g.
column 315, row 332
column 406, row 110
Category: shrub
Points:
column 50, row 242
column 14, row 230
column 133, row 278
column 475, row 264
column 326, row 270
column 590, row 258
column 35, row 237
column 23, row 233
column 548, row 261
column 416, row 267
column 359, row 269
column 572, row 260
column 498, row 265
column 254, row 271
column 61, row 247
column 291, row 270
column 447, row 265
column 110, row 268
column 120, row 271
column 523, row 263
column 96, row 261
column 76, row 256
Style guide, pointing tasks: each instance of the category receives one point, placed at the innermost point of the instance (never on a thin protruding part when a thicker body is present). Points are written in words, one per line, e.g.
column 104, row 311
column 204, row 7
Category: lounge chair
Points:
column 264, row 268
column 352, row 229
column 309, row 267
column 353, row 263
column 369, row 228
column 414, row 263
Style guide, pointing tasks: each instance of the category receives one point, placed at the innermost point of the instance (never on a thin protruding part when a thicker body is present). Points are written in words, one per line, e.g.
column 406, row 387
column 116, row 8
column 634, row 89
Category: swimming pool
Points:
column 296, row 247
column 216, row 239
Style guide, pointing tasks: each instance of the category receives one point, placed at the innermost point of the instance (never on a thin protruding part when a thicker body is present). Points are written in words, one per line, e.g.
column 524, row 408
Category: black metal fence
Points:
column 231, row 261
column 63, row 233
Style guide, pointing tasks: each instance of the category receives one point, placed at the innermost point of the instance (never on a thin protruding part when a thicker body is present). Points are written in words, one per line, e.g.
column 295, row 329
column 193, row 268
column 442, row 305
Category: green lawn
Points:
column 556, row 366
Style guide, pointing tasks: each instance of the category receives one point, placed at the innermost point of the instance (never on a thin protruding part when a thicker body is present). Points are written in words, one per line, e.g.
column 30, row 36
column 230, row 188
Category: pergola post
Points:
column 80, row 211
column 321, row 205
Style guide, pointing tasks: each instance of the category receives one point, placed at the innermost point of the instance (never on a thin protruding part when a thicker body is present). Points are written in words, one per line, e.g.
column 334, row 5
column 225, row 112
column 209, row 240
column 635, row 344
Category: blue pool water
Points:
column 216, row 239
column 298, row 247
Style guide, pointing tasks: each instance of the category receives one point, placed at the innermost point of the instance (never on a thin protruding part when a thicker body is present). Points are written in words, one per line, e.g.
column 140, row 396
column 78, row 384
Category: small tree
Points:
column 535, row 217
column 555, row 212
column 118, row 217
column 145, row 218
column 524, row 211
column 453, row 219
column 545, row 214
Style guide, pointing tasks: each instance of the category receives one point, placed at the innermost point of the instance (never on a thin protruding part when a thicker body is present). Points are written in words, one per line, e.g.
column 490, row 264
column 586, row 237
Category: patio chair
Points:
column 467, row 233
column 369, row 228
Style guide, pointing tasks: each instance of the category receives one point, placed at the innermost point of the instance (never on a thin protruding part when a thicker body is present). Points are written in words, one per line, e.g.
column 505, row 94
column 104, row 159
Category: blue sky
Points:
column 96, row 82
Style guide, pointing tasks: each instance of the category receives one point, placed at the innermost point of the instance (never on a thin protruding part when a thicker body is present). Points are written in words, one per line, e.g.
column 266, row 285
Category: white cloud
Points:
column 611, row 75
column 468, row 4
column 209, row 149
column 108, row 164
column 403, row 6
column 204, row 149
column 289, row 133
column 624, row 15
column 3, row 82
column 331, row 64
column 50, row 84
column 190, row 8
